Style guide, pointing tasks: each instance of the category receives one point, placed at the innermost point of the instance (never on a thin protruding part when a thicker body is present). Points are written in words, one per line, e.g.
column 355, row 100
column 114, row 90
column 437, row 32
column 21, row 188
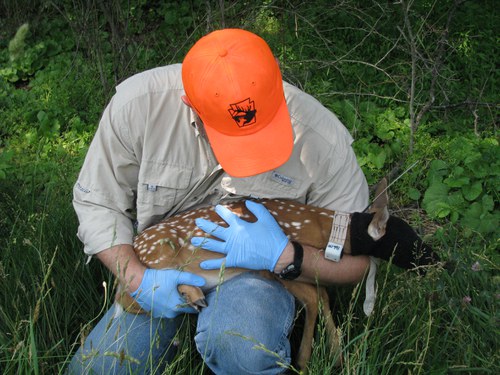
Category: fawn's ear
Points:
column 378, row 225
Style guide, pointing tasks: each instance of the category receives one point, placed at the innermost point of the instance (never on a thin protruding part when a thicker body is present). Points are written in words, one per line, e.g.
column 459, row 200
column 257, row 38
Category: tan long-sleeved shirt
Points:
column 148, row 160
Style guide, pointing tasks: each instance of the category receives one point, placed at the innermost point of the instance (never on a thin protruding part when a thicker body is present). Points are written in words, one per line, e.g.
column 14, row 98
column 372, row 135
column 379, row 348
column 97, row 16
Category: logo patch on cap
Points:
column 243, row 113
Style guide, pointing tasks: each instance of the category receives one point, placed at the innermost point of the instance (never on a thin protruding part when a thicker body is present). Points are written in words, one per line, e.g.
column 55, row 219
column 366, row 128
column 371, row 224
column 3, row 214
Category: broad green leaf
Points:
column 434, row 198
column 457, row 171
column 438, row 165
column 456, row 182
column 456, row 200
column 488, row 203
column 472, row 191
column 472, row 157
column 437, row 170
column 476, row 218
column 378, row 159
column 442, row 209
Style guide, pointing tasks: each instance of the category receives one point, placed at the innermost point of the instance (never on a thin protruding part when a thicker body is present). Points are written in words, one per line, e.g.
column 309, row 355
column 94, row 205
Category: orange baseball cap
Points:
column 234, row 83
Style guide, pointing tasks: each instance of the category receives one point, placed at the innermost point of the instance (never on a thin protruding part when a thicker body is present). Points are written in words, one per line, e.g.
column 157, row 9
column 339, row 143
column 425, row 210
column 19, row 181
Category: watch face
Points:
column 290, row 272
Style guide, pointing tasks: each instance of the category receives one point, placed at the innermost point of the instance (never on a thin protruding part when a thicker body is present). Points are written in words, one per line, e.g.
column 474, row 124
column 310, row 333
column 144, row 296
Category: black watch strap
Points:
column 294, row 269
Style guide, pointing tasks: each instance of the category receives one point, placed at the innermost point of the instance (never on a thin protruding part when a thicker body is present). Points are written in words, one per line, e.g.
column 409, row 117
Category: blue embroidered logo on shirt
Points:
column 282, row 179
column 81, row 188
column 152, row 187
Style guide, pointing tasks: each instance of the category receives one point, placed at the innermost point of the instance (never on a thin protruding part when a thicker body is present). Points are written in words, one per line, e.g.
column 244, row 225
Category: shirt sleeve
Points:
column 334, row 178
column 343, row 184
column 104, row 194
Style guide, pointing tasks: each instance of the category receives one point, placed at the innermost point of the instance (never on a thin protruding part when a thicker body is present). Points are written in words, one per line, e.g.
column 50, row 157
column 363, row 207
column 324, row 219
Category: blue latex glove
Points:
column 158, row 292
column 254, row 246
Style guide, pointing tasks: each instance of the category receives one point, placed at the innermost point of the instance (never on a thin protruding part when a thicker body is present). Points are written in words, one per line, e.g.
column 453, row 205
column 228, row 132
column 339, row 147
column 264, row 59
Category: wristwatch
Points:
column 294, row 269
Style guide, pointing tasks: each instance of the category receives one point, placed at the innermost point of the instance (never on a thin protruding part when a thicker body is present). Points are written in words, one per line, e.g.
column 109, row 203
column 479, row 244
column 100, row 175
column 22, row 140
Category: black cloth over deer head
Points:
column 400, row 242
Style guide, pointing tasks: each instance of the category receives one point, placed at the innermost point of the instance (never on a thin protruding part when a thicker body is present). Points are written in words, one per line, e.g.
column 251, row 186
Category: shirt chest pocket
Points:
column 274, row 184
column 161, row 185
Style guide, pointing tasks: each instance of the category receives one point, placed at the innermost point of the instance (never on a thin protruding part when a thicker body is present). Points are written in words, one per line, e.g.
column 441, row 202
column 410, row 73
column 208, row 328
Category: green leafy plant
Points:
column 26, row 58
column 464, row 186
column 17, row 44
column 381, row 134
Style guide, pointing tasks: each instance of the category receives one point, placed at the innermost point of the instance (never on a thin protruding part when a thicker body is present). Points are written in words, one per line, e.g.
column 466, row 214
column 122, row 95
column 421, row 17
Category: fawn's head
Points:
column 387, row 237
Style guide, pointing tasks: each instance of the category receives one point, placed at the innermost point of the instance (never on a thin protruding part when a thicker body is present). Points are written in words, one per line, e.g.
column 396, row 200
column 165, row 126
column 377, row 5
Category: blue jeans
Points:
column 244, row 330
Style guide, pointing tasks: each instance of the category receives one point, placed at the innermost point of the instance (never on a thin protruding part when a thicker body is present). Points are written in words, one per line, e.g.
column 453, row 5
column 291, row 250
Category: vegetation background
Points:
column 415, row 81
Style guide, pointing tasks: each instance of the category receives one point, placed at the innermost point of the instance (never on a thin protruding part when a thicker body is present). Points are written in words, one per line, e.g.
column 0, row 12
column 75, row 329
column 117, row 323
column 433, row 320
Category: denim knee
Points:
column 232, row 353
column 245, row 327
column 124, row 343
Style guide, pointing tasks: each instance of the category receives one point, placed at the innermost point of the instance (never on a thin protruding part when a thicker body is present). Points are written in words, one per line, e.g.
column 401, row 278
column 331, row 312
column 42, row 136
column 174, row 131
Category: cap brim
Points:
column 263, row 151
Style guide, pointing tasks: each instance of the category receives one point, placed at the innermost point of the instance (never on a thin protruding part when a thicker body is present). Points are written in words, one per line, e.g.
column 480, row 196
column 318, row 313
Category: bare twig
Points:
column 222, row 14
column 368, row 94
column 466, row 103
column 413, row 50
column 437, row 64
column 433, row 63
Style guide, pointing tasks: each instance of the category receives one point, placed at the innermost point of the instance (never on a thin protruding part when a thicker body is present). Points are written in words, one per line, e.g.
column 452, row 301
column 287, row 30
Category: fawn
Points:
column 376, row 233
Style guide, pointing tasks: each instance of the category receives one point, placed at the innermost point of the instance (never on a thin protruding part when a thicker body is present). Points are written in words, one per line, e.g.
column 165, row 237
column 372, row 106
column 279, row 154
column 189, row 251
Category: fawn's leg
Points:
column 332, row 333
column 308, row 297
